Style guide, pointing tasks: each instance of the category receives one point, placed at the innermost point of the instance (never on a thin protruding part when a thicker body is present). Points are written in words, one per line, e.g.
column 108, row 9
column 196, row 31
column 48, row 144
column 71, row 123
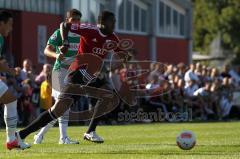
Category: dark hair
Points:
column 73, row 12
column 5, row 16
column 104, row 16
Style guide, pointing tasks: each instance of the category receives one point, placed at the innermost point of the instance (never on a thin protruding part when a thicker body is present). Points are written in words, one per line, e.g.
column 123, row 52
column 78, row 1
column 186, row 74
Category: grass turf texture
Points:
column 214, row 140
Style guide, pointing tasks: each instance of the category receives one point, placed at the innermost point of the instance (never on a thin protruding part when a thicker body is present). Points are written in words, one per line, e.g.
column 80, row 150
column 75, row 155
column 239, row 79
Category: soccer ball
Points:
column 186, row 140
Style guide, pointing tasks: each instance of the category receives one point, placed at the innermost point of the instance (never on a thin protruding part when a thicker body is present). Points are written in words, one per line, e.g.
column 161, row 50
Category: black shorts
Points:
column 76, row 77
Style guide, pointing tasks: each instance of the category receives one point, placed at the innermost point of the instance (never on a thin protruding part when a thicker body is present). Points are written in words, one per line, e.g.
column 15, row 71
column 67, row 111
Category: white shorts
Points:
column 58, row 82
column 3, row 88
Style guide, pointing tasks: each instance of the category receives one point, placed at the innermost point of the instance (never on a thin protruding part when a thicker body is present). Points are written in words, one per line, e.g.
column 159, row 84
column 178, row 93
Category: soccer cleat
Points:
column 67, row 140
column 93, row 137
column 13, row 144
column 21, row 143
column 38, row 139
column 17, row 143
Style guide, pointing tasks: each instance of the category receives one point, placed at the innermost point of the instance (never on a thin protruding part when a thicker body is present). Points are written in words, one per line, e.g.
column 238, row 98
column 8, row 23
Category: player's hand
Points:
column 60, row 57
column 63, row 49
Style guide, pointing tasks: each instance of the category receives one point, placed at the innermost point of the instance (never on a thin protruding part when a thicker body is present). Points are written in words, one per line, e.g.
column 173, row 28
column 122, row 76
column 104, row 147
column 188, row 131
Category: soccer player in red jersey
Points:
column 82, row 78
column 93, row 39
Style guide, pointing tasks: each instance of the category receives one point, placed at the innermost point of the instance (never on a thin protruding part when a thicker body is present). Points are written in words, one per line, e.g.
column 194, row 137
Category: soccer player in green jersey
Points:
column 6, row 96
column 59, row 73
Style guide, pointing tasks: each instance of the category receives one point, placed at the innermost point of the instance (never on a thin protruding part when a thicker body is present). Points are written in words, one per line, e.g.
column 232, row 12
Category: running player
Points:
column 59, row 73
column 6, row 97
column 80, row 80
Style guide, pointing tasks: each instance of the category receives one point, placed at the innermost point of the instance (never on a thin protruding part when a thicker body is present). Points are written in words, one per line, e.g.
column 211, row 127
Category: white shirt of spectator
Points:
column 152, row 86
column 23, row 74
column 236, row 78
column 190, row 75
column 189, row 90
column 225, row 106
column 200, row 92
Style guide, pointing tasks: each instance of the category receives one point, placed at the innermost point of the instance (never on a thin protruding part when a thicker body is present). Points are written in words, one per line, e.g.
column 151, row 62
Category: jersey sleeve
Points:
column 55, row 39
column 82, row 29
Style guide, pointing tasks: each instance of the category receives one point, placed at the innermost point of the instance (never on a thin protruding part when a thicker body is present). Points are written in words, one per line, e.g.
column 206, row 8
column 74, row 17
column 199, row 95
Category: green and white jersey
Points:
column 1, row 45
column 56, row 41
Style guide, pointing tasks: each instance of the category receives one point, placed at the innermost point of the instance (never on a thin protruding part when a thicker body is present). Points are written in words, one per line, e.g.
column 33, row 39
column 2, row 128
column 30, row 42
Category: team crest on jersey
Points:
column 53, row 37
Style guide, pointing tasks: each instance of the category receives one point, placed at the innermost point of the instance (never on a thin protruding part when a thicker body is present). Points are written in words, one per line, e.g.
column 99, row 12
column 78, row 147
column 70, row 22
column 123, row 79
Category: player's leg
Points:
column 10, row 117
column 63, row 125
column 44, row 118
column 91, row 134
column 58, row 78
column 58, row 109
column 38, row 138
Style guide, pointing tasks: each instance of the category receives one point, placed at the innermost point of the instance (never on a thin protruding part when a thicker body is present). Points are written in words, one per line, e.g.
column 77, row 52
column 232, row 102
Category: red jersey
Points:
column 92, row 40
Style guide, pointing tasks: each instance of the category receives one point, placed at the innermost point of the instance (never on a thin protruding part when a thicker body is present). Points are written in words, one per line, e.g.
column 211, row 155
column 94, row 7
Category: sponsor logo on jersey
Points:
column 73, row 46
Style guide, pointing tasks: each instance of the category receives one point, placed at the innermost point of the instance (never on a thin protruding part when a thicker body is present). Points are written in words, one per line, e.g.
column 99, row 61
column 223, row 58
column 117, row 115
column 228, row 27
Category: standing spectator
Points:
column 26, row 70
column 46, row 94
column 43, row 75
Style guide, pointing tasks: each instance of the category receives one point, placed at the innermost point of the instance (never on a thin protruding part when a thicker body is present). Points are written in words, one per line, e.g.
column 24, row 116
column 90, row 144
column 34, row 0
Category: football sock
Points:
column 63, row 124
column 10, row 118
column 43, row 119
column 45, row 129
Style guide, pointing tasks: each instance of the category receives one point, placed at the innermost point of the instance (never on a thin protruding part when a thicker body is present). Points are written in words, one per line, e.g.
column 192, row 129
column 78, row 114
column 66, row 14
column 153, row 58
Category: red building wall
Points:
column 141, row 44
column 168, row 49
column 172, row 50
column 24, row 40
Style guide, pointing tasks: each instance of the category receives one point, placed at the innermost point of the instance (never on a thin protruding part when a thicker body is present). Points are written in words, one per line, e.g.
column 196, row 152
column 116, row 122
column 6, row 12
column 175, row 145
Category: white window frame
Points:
column 8, row 4
column 2, row 3
column 173, row 7
column 139, row 4
column 21, row 4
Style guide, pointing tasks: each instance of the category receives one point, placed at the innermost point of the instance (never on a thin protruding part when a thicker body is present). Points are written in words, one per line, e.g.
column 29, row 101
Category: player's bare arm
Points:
column 50, row 51
column 64, row 29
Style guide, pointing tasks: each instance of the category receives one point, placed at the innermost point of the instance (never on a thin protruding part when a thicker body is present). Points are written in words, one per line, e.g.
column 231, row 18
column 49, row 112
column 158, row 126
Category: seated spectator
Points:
column 190, row 88
column 190, row 75
column 204, row 95
column 225, row 72
column 25, row 106
column 178, row 96
column 227, row 110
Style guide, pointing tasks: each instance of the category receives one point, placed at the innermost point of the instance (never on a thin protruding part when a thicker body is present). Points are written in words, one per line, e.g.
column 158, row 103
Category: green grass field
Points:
column 214, row 140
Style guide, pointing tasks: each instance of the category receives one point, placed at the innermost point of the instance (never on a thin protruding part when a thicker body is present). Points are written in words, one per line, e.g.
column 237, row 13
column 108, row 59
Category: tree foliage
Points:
column 217, row 17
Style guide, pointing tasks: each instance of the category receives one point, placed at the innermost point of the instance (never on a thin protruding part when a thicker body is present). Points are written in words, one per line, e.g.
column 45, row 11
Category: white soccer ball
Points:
column 186, row 140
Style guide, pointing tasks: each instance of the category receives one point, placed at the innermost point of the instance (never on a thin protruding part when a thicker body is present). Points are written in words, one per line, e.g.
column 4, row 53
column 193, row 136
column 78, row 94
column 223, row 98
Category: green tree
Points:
column 214, row 17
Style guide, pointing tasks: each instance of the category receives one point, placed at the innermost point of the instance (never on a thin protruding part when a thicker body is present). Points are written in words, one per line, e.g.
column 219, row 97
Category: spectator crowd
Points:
column 211, row 93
